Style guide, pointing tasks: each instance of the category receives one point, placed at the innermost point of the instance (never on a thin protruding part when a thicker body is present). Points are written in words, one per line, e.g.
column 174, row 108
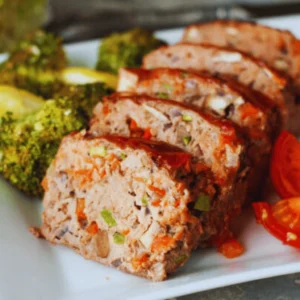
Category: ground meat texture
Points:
column 252, row 112
column 239, row 66
column 213, row 144
column 122, row 202
column 279, row 48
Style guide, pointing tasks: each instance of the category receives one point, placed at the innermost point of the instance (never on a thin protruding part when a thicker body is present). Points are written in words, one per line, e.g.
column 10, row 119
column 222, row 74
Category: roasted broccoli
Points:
column 125, row 49
column 86, row 95
column 28, row 145
column 34, row 64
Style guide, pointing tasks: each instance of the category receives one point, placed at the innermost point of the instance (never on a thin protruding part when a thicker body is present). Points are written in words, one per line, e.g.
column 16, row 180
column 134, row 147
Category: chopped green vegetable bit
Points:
column 98, row 151
column 126, row 49
column 167, row 87
column 108, row 218
column 187, row 118
column 123, row 156
column 119, row 238
column 162, row 95
column 145, row 200
column 202, row 203
column 180, row 259
column 186, row 140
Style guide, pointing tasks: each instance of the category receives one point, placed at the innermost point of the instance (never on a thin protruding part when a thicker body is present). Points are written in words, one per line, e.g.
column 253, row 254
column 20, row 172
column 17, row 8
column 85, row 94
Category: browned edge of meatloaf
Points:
column 274, row 46
column 144, row 226
column 113, row 117
column 188, row 56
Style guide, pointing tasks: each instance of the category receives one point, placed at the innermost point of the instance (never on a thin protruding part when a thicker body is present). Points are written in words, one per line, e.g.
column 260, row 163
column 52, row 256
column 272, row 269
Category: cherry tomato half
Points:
column 285, row 166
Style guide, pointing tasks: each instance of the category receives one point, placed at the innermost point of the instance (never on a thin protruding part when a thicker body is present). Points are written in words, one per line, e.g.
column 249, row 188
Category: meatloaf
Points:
column 279, row 48
column 237, row 65
column 228, row 99
column 257, row 118
column 122, row 202
column 214, row 145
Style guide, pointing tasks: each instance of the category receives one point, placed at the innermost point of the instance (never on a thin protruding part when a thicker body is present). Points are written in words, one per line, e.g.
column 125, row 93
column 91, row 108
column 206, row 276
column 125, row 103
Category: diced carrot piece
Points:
column 137, row 262
column 157, row 190
column 125, row 231
column 231, row 249
column 81, row 216
column 155, row 202
column 162, row 243
column 177, row 203
column 92, row 228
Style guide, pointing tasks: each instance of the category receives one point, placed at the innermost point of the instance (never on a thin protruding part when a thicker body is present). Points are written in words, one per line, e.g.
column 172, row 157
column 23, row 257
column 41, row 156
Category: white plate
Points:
column 33, row 269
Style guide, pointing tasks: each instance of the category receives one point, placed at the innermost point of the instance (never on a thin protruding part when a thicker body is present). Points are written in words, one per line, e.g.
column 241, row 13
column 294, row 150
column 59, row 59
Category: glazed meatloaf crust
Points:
column 214, row 145
column 229, row 63
column 225, row 99
column 121, row 202
column 279, row 48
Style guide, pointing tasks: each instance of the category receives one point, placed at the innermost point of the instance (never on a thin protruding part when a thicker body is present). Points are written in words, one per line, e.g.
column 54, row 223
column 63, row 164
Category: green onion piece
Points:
column 168, row 87
column 162, row 95
column 186, row 140
column 202, row 203
column 119, row 238
column 123, row 156
column 98, row 151
column 187, row 118
column 108, row 218
column 145, row 200
column 180, row 259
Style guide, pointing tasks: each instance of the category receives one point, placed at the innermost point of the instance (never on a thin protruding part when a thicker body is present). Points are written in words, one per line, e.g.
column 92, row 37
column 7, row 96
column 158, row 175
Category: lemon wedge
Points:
column 17, row 101
column 79, row 75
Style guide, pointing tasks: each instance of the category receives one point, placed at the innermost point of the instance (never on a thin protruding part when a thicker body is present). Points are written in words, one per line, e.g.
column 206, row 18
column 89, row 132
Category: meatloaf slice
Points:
column 279, row 48
column 252, row 113
column 214, row 144
column 122, row 202
column 228, row 99
column 237, row 65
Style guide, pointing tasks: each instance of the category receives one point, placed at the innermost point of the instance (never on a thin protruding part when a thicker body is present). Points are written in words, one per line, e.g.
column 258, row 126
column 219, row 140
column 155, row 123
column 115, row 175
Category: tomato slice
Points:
column 287, row 213
column 281, row 220
column 285, row 166
column 231, row 248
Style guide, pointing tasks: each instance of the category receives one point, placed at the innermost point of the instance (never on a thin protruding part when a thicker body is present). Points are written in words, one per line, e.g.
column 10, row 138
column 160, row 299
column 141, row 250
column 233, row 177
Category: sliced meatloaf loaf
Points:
column 230, row 63
column 214, row 144
column 122, row 202
column 279, row 48
column 225, row 99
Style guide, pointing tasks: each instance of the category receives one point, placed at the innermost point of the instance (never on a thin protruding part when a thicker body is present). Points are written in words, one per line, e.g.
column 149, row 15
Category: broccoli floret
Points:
column 87, row 95
column 126, row 49
column 28, row 145
column 34, row 64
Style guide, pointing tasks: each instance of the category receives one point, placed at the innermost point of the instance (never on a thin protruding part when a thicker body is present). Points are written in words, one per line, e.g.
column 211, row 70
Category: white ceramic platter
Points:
column 32, row 269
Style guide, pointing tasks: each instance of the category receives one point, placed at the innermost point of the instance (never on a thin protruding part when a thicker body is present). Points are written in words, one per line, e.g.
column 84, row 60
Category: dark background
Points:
column 86, row 19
